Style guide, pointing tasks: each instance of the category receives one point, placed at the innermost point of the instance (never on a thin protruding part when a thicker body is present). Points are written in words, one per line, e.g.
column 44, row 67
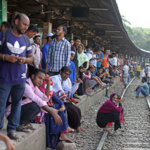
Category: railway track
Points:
column 135, row 132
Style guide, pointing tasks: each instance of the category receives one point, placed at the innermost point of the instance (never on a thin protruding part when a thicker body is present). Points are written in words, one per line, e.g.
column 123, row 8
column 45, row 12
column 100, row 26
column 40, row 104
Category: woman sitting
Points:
column 109, row 112
column 59, row 108
column 83, row 64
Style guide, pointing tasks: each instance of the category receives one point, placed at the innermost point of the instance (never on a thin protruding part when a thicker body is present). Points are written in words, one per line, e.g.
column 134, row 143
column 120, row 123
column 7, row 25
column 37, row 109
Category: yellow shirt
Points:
column 138, row 68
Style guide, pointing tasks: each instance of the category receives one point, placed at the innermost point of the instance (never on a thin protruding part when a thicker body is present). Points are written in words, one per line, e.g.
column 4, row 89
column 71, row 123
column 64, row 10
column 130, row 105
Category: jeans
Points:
column 29, row 112
column 129, row 78
column 16, row 92
column 142, row 90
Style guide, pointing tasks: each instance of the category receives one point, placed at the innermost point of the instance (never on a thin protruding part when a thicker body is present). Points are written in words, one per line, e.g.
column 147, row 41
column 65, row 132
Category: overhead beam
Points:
column 113, row 31
column 119, row 37
column 99, row 9
column 42, row 2
column 104, row 24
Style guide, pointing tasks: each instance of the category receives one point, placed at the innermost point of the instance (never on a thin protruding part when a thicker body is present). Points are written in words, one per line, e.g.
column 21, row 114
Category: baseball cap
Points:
column 50, row 34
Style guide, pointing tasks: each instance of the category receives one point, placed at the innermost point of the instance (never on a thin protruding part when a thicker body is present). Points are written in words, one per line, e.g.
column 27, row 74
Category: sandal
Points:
column 22, row 128
column 13, row 136
column 29, row 126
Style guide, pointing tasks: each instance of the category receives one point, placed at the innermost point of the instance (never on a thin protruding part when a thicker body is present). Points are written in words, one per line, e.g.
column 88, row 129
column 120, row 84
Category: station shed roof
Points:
column 103, row 25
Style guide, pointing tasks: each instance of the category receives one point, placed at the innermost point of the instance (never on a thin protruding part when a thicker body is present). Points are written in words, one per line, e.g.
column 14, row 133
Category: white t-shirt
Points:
column 126, row 70
column 115, row 61
column 94, row 62
column 89, row 54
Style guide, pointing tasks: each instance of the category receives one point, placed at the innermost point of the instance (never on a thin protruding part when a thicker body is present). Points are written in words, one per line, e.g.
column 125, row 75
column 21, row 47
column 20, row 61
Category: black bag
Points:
column 5, row 38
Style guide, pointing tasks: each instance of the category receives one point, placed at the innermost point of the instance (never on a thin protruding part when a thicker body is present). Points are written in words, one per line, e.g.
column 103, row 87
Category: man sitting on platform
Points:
column 63, row 91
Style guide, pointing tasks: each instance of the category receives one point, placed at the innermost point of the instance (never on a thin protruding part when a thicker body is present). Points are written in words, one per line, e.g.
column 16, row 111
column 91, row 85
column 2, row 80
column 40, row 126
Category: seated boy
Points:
column 143, row 88
column 33, row 101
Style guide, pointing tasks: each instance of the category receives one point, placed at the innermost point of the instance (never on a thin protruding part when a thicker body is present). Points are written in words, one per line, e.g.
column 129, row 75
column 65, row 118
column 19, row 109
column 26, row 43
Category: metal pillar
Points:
column 3, row 11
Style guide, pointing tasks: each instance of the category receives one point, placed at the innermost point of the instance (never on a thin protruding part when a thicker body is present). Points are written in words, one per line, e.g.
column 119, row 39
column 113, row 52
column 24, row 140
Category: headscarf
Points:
column 114, row 101
column 82, row 58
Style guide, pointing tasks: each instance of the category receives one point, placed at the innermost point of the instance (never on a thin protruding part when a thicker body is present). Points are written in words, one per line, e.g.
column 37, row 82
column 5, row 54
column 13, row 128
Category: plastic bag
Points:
column 121, row 78
column 122, row 120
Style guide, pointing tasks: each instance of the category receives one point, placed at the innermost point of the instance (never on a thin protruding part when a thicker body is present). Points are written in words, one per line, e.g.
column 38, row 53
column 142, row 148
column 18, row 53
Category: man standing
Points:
column 36, row 55
column 59, row 52
column 125, row 74
column 45, row 49
column 5, row 26
column 77, row 42
column 32, row 31
column 13, row 56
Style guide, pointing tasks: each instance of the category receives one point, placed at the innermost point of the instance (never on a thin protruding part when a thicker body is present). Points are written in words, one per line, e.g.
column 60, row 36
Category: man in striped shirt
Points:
column 59, row 52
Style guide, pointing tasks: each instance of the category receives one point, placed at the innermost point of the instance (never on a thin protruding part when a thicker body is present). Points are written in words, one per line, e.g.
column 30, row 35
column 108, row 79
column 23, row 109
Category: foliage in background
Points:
column 140, row 36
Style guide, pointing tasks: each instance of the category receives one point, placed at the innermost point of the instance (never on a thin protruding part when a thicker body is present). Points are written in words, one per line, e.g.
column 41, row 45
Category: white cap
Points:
column 50, row 34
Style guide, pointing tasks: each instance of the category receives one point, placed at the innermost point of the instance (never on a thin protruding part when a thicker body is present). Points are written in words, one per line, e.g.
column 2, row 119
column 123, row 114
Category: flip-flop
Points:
column 13, row 136
column 22, row 128
column 29, row 126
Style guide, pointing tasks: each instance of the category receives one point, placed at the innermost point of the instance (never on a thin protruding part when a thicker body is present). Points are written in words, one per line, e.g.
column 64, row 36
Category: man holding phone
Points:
column 14, row 54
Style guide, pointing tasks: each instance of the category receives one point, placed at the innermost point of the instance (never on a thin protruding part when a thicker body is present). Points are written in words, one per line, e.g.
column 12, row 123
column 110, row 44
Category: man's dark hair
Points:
column 6, row 24
column 33, row 28
column 88, row 46
column 37, row 71
column 77, row 38
column 144, row 79
column 64, row 28
column 70, row 40
column 48, row 37
column 96, row 48
column 18, row 16
column 36, row 37
column 65, row 69
column 106, row 48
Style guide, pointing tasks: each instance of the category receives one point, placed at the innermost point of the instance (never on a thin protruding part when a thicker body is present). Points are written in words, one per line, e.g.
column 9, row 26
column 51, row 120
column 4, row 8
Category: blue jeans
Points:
column 16, row 92
column 129, row 78
column 142, row 90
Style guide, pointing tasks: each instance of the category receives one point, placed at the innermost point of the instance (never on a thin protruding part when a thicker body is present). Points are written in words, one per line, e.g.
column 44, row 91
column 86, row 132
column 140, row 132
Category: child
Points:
column 7, row 142
column 94, row 77
column 71, row 66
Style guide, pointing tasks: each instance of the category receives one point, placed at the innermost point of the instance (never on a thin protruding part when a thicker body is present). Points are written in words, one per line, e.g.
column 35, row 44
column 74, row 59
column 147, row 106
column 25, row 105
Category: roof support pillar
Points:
column 70, row 32
column 3, row 11
column 48, row 15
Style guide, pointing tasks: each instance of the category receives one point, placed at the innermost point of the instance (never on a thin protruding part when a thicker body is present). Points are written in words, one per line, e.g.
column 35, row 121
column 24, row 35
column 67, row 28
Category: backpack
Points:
column 5, row 38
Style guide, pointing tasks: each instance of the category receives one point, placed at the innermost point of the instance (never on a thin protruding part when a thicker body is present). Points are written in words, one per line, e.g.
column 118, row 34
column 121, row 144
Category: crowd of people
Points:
column 40, row 83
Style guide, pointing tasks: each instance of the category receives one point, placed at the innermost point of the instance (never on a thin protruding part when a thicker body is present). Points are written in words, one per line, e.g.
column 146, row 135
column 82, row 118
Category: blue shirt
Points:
column 93, row 74
column 101, row 57
column 72, row 76
column 14, row 73
column 146, row 87
column 44, row 51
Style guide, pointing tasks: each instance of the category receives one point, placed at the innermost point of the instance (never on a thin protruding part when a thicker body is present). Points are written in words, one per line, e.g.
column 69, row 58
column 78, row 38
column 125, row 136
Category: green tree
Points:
column 140, row 36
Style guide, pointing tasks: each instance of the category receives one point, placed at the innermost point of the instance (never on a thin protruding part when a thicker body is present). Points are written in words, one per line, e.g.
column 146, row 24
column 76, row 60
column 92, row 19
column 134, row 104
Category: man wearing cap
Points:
column 45, row 49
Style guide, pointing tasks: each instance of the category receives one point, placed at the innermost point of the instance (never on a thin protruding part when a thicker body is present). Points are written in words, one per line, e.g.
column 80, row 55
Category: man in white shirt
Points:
column 36, row 55
column 125, row 74
column 60, row 85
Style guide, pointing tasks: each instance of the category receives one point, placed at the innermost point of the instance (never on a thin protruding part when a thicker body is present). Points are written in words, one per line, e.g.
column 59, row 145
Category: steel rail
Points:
column 102, row 141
